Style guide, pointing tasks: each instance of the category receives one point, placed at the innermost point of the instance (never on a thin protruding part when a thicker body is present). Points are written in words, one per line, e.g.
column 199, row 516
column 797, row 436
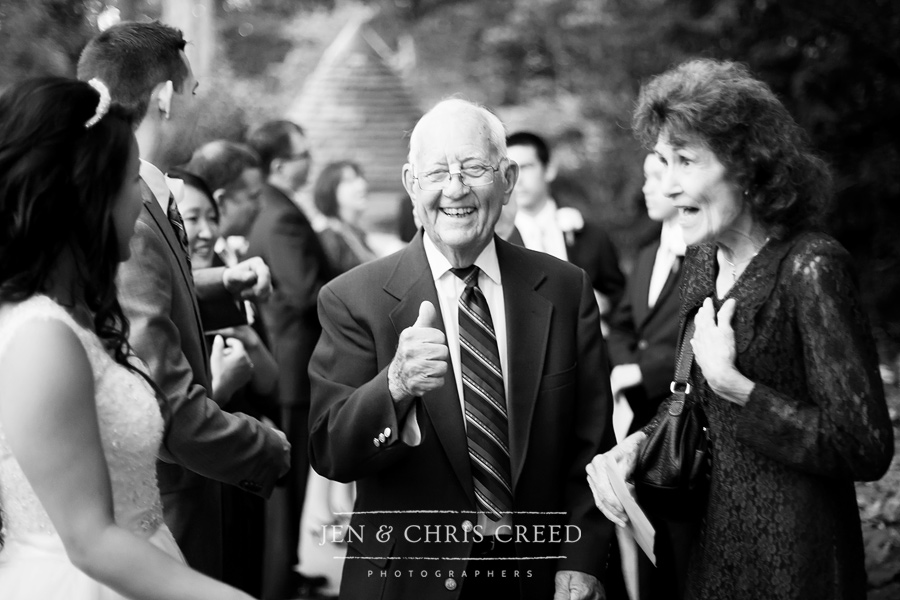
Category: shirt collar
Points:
column 486, row 261
column 672, row 238
column 160, row 185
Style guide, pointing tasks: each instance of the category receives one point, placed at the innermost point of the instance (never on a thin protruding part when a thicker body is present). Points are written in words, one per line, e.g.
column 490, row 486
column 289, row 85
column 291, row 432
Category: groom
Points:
column 146, row 70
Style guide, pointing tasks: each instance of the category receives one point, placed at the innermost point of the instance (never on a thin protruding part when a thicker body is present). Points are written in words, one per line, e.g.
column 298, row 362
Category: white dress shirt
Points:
column 541, row 231
column 671, row 246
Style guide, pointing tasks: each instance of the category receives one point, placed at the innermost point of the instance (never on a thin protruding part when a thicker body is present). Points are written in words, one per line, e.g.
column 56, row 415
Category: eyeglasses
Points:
column 473, row 176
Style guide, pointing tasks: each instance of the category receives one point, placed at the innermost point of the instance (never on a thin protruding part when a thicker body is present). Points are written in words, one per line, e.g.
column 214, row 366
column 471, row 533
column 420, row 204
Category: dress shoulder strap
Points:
column 36, row 308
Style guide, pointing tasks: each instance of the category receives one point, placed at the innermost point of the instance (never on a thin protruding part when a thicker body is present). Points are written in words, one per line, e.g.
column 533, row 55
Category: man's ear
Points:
column 164, row 93
column 409, row 180
column 511, row 175
column 219, row 196
column 551, row 172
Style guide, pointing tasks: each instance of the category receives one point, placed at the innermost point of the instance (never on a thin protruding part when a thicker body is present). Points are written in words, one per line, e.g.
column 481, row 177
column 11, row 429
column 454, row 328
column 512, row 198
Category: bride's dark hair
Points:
column 58, row 184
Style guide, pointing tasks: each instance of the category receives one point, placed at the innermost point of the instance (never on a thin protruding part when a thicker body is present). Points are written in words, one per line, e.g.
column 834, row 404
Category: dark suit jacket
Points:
column 559, row 418
column 283, row 237
column 646, row 337
column 157, row 295
column 593, row 250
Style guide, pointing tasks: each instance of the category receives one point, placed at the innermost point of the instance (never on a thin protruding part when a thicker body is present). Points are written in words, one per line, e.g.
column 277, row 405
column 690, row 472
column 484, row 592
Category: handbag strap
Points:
column 684, row 359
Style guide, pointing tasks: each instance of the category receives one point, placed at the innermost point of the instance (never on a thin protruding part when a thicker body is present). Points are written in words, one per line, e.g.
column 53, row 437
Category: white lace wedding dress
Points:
column 33, row 562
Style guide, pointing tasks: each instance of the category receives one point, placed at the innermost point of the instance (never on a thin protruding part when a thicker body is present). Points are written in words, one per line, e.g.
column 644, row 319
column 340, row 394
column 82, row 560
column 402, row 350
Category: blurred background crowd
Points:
column 356, row 74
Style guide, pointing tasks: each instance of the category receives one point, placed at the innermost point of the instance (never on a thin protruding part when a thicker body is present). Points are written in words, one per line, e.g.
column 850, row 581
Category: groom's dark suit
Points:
column 202, row 442
column 559, row 418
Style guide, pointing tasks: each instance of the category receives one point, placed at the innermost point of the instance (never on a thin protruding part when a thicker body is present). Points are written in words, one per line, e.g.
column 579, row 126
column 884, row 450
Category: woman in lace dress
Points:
column 785, row 365
column 79, row 423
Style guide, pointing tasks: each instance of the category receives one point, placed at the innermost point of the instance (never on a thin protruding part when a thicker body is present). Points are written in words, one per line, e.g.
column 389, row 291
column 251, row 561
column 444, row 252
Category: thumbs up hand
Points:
column 422, row 357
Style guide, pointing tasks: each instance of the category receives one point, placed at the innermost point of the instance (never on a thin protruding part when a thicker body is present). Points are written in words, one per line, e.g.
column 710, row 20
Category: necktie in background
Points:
column 487, row 423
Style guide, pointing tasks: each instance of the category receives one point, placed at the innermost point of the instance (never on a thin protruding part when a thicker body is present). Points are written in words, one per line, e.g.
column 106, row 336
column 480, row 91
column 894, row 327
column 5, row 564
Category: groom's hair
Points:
column 132, row 59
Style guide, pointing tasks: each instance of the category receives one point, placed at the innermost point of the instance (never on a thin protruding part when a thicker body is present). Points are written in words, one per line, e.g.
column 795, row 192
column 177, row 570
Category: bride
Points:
column 79, row 421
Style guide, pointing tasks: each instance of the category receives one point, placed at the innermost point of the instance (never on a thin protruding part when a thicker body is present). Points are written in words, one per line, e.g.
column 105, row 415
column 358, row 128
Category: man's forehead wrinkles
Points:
column 453, row 154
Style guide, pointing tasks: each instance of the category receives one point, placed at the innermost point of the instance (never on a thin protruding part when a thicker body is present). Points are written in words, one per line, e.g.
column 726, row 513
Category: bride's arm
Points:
column 49, row 416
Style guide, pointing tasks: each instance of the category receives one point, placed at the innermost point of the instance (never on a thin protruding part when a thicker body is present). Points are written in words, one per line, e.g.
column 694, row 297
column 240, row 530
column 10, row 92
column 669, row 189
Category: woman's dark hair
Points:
column 325, row 190
column 58, row 183
column 721, row 105
column 195, row 181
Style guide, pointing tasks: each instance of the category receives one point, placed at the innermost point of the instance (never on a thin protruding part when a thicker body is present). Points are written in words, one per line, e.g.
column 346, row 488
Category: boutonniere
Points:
column 570, row 222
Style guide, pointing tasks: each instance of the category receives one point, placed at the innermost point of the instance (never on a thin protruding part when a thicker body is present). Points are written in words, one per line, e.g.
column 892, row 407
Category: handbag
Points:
column 671, row 476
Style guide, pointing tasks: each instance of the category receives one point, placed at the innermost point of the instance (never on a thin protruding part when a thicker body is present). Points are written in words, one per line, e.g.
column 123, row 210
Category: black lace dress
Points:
column 782, row 520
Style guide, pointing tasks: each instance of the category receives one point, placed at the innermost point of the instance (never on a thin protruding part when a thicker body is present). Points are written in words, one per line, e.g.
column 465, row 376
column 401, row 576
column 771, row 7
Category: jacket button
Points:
column 387, row 432
column 381, row 438
column 376, row 442
column 643, row 344
column 450, row 584
column 467, row 526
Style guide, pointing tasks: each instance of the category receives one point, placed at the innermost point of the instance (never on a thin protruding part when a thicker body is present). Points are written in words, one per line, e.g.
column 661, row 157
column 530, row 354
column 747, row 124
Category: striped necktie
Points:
column 487, row 423
column 177, row 223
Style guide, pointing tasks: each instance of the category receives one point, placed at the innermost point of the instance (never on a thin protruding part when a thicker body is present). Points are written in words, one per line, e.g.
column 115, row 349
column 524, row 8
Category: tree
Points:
column 41, row 37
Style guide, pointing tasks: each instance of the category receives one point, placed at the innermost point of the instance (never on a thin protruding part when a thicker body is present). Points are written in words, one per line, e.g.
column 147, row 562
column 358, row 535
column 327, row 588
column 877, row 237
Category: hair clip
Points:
column 102, row 105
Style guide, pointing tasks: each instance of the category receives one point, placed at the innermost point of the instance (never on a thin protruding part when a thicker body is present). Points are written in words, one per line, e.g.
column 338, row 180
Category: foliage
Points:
column 41, row 37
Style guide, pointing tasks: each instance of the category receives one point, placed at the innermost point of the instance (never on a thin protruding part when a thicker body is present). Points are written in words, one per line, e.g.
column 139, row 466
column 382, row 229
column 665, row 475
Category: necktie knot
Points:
column 469, row 275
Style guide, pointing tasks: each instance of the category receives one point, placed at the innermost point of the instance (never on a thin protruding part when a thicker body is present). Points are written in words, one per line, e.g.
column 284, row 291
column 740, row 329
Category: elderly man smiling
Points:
column 462, row 382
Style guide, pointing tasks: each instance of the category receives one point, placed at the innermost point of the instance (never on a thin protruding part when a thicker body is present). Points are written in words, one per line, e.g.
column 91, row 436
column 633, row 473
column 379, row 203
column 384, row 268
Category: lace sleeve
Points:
column 841, row 427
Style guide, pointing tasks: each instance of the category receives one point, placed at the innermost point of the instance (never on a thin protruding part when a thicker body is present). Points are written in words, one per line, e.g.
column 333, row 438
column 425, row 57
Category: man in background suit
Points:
column 644, row 327
column 561, row 231
column 454, row 439
column 284, row 238
column 146, row 70
column 642, row 341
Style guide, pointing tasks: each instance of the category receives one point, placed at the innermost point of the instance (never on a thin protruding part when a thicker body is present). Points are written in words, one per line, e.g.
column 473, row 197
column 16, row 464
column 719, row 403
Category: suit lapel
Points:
column 528, row 317
column 670, row 287
column 162, row 223
column 412, row 283
column 162, row 220
column 643, row 271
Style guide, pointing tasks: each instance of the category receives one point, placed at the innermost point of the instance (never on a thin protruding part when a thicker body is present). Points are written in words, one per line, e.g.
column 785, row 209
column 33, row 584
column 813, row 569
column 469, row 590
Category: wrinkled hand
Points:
column 713, row 341
column 230, row 366
column 575, row 585
column 422, row 357
column 623, row 457
column 249, row 280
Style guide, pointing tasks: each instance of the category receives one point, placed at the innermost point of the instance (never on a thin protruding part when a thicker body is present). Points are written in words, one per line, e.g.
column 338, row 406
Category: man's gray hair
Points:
column 454, row 106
